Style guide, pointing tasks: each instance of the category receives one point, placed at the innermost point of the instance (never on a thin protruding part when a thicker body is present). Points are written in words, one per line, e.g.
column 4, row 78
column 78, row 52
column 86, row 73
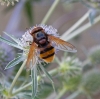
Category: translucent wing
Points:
column 61, row 44
column 31, row 56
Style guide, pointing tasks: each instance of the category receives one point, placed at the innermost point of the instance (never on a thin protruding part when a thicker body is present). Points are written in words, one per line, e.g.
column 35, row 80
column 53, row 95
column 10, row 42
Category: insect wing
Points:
column 61, row 44
column 32, row 55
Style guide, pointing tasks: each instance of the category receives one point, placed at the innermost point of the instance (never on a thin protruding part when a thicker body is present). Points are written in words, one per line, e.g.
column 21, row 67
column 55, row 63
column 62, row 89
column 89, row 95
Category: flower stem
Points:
column 61, row 93
column 52, row 72
column 74, row 95
column 81, row 29
column 74, row 68
column 16, row 77
column 79, row 22
column 27, row 76
column 53, row 6
column 22, row 88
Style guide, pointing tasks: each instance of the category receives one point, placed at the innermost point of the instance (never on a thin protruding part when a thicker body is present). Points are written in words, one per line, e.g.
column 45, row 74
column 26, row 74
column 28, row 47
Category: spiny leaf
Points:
column 34, row 82
column 10, row 42
column 1, row 87
column 14, row 62
column 12, row 37
column 19, row 54
column 48, row 75
column 27, row 96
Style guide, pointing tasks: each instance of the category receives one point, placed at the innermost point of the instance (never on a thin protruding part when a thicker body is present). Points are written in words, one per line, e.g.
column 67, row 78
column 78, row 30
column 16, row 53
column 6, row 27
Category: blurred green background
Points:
column 81, row 83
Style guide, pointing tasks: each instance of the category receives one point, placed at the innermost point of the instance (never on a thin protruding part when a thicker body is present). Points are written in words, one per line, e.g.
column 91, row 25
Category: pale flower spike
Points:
column 27, row 38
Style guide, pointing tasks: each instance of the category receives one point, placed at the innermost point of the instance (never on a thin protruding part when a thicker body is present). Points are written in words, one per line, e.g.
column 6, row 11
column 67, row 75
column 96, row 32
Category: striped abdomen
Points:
column 47, row 54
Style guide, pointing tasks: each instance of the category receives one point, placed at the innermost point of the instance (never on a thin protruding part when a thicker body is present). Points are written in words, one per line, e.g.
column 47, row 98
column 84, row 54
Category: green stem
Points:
column 27, row 76
column 22, row 88
column 89, row 97
column 74, row 95
column 52, row 72
column 74, row 68
column 79, row 22
column 52, row 8
column 16, row 77
column 81, row 29
column 61, row 93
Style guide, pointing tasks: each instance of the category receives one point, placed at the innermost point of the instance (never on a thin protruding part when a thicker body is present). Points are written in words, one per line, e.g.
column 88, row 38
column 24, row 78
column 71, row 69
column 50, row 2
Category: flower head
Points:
column 24, row 44
column 27, row 38
column 39, row 44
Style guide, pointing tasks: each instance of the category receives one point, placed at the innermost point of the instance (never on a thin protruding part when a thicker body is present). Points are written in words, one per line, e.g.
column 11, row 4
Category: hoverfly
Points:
column 46, row 44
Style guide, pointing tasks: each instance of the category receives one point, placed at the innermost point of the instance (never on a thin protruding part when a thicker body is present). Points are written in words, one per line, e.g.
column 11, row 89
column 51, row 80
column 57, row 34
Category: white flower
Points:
column 24, row 44
column 27, row 38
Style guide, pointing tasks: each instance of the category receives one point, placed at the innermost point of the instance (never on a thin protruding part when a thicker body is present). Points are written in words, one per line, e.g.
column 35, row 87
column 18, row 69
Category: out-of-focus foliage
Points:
column 94, row 55
column 91, row 82
column 27, row 7
column 88, row 3
column 69, row 66
column 71, row 75
column 93, row 5
column 3, row 57
column 8, row 2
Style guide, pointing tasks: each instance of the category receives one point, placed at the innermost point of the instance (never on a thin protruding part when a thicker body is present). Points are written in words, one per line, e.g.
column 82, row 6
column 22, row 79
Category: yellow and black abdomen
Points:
column 47, row 54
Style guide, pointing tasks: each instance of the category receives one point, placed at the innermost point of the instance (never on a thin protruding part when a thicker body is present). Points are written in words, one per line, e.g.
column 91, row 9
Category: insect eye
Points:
column 39, row 35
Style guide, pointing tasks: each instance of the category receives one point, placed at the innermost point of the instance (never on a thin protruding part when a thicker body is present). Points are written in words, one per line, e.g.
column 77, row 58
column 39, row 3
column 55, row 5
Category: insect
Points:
column 46, row 45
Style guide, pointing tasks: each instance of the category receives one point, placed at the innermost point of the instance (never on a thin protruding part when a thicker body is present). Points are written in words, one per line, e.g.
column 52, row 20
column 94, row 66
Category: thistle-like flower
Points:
column 39, row 45
column 94, row 55
column 24, row 44
column 69, row 66
column 90, row 82
column 27, row 39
